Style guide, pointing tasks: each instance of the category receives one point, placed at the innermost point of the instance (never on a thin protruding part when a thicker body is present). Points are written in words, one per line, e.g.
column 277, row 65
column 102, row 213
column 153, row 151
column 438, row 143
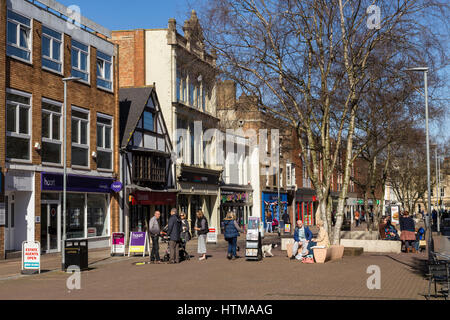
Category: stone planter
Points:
column 320, row 255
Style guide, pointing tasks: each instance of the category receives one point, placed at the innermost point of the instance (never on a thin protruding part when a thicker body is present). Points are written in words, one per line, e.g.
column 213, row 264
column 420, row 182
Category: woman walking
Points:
column 232, row 230
column 408, row 229
column 202, row 231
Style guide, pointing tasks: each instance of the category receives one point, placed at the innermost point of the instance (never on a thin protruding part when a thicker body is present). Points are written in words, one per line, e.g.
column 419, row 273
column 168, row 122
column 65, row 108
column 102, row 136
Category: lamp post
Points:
column 430, row 237
column 63, row 255
column 437, row 189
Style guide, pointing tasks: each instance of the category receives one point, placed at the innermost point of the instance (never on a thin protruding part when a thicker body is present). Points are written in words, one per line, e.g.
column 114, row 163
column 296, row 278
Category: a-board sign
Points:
column 395, row 215
column 287, row 228
column 211, row 236
column 31, row 257
column 138, row 243
column 118, row 243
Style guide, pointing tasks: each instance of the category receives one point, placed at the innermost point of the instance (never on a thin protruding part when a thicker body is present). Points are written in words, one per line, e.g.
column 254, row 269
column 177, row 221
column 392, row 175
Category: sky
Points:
column 132, row 14
column 149, row 14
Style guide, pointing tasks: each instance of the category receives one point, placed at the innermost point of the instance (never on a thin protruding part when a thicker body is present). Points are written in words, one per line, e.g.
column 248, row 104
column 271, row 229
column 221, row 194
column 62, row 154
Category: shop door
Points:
column 9, row 223
column 49, row 227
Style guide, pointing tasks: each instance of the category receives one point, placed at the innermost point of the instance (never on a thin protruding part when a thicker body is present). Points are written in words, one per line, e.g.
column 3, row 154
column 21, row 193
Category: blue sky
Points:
column 132, row 14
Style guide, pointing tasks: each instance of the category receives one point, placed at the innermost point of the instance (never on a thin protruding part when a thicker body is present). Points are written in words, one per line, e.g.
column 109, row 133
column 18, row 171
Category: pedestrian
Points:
column 302, row 237
column 322, row 239
column 357, row 218
column 155, row 233
column 408, row 229
column 185, row 234
column 381, row 228
column 231, row 234
column 269, row 222
column 174, row 233
column 202, row 230
column 286, row 220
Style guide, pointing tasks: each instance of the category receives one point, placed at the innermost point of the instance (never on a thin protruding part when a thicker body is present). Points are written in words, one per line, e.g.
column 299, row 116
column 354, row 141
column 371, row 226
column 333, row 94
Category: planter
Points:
column 320, row 254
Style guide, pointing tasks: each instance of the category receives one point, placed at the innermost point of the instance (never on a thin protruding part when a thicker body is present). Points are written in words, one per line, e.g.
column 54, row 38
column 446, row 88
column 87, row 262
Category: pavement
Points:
column 275, row 278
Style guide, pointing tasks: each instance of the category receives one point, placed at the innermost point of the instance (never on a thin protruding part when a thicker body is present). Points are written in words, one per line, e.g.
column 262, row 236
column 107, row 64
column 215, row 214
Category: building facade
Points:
column 185, row 75
column 145, row 159
column 40, row 48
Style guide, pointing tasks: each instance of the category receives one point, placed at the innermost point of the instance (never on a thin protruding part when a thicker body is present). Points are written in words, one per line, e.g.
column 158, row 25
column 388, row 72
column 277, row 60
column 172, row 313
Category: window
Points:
column 104, row 70
column 442, row 192
column 80, row 134
column 80, row 60
column 18, row 135
column 148, row 122
column 75, row 215
column 104, row 142
column 97, row 215
column 289, row 177
column 191, row 92
column 51, row 132
column 51, row 49
column 18, row 36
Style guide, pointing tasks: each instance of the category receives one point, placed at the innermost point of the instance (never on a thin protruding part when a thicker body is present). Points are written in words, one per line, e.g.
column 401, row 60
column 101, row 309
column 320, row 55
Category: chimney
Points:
column 226, row 95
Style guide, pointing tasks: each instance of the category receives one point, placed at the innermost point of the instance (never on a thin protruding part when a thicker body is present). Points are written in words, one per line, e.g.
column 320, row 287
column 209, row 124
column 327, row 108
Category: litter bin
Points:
column 76, row 254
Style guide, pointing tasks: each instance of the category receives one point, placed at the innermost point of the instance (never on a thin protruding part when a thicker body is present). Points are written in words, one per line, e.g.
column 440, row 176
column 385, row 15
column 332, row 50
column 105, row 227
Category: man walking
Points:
column 155, row 232
column 302, row 237
column 174, row 231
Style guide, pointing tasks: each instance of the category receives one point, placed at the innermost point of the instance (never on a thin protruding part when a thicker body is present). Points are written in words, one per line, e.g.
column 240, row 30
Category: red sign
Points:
column 155, row 198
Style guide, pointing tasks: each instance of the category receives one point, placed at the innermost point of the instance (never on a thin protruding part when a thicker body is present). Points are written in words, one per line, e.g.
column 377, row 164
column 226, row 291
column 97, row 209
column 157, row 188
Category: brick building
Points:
column 40, row 48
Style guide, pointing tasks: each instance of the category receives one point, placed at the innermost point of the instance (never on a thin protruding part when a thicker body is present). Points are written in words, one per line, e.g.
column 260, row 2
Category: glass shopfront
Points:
column 238, row 202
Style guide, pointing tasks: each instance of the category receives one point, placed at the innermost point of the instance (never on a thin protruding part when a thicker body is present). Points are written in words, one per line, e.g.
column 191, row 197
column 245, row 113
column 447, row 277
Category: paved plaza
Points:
column 274, row 278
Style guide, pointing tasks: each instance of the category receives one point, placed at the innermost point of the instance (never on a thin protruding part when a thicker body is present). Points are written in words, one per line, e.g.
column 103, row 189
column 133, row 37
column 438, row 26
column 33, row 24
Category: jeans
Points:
column 154, row 255
column 269, row 226
column 232, row 244
column 304, row 248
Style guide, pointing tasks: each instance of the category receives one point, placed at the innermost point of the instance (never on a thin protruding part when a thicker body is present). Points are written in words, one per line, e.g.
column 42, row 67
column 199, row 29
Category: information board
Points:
column 138, row 243
column 395, row 215
column 211, row 236
column 118, row 243
column 31, row 256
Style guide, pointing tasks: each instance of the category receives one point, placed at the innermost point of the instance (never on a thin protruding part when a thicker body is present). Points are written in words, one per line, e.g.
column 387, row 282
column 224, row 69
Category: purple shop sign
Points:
column 116, row 186
column 137, row 239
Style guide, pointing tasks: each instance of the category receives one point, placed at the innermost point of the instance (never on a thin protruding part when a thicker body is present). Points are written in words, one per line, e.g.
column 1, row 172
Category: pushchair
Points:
column 421, row 243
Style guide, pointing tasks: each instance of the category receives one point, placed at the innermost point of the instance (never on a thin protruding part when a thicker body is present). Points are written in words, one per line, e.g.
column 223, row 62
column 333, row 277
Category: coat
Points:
column 232, row 229
column 185, row 234
column 174, row 229
column 308, row 234
column 322, row 238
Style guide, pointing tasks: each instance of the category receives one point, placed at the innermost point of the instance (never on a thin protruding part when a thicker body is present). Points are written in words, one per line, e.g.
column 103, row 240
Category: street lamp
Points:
column 65, row 80
column 425, row 73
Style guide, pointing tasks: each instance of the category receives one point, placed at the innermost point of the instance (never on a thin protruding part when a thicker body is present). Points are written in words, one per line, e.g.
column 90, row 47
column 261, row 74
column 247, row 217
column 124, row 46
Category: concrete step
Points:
column 348, row 251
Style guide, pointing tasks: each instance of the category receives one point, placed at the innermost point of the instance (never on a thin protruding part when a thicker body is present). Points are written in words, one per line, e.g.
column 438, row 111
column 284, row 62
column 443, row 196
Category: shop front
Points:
column 238, row 201
column 270, row 205
column 144, row 204
column 88, row 207
column 199, row 190
column 306, row 205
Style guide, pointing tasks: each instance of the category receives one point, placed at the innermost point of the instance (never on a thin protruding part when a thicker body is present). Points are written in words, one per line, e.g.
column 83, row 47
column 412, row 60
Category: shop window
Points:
column 18, row 125
column 75, row 216
column 18, row 36
column 104, row 70
column 80, row 60
column 97, row 215
column 51, row 49
column 51, row 132
column 80, row 134
column 104, row 142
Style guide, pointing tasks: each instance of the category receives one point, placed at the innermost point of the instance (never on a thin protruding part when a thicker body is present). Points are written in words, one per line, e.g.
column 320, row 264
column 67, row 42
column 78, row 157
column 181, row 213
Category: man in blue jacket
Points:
column 302, row 237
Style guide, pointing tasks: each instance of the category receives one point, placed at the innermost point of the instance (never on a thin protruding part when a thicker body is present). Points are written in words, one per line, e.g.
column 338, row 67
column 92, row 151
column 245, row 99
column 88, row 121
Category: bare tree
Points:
column 307, row 62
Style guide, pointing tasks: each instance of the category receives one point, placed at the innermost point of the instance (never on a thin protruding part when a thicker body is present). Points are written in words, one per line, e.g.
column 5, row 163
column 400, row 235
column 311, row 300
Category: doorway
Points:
column 10, row 223
column 50, row 233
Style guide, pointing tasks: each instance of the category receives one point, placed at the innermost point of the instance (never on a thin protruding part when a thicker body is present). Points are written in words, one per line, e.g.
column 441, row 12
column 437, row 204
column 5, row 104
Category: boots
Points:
column 414, row 250
column 408, row 250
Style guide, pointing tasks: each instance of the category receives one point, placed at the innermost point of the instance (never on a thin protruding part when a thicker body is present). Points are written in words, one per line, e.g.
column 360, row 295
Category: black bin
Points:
column 76, row 254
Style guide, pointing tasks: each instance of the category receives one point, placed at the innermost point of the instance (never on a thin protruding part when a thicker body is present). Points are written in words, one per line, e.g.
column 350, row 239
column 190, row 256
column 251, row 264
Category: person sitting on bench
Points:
column 302, row 237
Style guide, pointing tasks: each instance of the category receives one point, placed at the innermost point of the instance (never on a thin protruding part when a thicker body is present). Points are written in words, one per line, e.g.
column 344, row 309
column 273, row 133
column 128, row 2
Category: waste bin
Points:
column 76, row 254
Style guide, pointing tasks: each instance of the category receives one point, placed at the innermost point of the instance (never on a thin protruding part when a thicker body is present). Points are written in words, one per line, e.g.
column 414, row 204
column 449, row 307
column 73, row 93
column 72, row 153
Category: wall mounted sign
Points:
column 75, row 183
column 116, row 186
column 227, row 196
column 19, row 181
column 193, row 177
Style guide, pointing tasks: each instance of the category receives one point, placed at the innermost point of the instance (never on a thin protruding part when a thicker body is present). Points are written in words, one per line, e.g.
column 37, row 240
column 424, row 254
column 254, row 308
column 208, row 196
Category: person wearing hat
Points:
column 408, row 229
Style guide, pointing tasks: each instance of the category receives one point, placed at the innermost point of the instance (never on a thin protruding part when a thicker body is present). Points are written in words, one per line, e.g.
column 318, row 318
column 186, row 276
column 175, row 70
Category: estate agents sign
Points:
column 31, row 257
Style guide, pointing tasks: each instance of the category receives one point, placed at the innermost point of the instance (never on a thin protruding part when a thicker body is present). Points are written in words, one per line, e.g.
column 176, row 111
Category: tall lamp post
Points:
column 63, row 255
column 430, row 236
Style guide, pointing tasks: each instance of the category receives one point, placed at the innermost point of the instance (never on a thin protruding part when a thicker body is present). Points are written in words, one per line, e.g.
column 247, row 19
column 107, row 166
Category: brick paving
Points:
column 276, row 278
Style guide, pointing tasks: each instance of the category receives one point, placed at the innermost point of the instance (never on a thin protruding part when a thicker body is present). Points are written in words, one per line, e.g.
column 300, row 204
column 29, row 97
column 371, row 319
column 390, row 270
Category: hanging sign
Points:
column 138, row 243
column 116, row 186
column 118, row 243
column 31, row 257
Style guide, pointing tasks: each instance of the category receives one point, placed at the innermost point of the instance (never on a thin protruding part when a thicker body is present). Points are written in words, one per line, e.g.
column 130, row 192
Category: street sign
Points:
column 138, row 243
column 31, row 257
column 212, row 236
column 118, row 243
